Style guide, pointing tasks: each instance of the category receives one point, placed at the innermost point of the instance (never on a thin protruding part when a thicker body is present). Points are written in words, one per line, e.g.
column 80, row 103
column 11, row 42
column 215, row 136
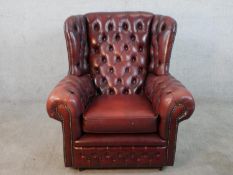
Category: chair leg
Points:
column 160, row 168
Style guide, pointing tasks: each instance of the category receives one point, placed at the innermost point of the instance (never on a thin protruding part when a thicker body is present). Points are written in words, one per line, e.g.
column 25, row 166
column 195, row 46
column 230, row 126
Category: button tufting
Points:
column 140, row 69
column 133, row 58
column 104, row 80
column 96, row 27
column 119, row 50
column 110, row 26
column 111, row 70
column 111, row 91
column 96, row 49
column 97, row 70
column 118, row 58
column 119, row 81
column 126, row 47
column 75, row 28
column 117, row 37
column 125, row 26
column 104, row 37
column 140, row 48
column 126, row 91
column 126, row 69
column 104, row 59
column 139, row 26
column 132, row 37
column 110, row 48
column 163, row 27
column 134, row 80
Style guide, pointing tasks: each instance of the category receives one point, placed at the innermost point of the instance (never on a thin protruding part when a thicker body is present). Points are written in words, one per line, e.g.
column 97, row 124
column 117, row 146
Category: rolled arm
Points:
column 69, row 98
column 170, row 100
column 66, row 103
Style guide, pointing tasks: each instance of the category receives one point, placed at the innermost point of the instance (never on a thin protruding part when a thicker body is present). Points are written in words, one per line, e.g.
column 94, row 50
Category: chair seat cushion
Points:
column 120, row 114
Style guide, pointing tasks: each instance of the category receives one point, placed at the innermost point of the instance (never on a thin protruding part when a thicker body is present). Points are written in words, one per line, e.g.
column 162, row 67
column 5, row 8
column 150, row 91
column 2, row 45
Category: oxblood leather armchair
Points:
column 118, row 105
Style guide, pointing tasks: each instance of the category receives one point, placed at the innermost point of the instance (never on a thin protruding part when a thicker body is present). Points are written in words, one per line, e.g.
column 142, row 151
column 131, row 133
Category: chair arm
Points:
column 68, row 100
column 170, row 100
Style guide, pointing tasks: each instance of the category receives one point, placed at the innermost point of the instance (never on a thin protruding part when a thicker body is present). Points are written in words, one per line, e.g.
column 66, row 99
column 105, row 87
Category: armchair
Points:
column 119, row 106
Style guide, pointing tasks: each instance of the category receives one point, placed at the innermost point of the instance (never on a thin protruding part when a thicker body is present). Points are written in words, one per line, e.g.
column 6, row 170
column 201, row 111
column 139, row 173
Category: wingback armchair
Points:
column 119, row 106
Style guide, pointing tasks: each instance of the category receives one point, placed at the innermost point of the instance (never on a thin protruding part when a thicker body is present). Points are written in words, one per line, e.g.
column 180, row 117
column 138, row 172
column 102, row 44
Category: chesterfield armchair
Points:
column 119, row 106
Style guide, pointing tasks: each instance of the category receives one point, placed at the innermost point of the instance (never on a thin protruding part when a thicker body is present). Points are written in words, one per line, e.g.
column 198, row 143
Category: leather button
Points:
column 119, row 81
column 140, row 69
column 133, row 58
column 132, row 37
column 96, row 27
column 110, row 48
column 118, row 59
column 111, row 91
column 104, row 37
column 96, row 49
column 104, row 80
column 125, row 26
column 104, row 59
column 140, row 48
column 110, row 26
column 111, row 70
column 75, row 28
column 97, row 70
column 139, row 26
column 134, row 80
column 126, row 91
column 117, row 37
column 126, row 47
column 126, row 69
column 163, row 27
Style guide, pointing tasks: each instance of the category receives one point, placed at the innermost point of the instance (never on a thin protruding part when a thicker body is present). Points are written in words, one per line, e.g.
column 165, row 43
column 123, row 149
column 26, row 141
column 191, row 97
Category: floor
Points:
column 31, row 143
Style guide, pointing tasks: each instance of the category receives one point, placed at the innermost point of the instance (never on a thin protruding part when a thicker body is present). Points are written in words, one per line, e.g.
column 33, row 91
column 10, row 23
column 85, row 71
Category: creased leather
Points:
column 77, row 46
column 163, row 31
column 119, row 53
column 165, row 93
column 66, row 103
column 120, row 157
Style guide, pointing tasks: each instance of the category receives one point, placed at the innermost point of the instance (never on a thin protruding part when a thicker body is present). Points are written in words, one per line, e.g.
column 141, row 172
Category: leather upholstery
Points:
column 66, row 103
column 111, row 56
column 166, row 94
column 120, row 140
column 77, row 47
column 120, row 157
column 118, row 50
column 120, row 114
column 163, row 31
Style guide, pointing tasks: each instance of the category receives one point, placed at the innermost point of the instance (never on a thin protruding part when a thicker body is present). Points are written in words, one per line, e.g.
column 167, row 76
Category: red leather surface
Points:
column 118, row 50
column 120, row 140
column 163, row 31
column 66, row 103
column 76, row 40
column 166, row 94
column 119, row 157
column 120, row 53
column 119, row 114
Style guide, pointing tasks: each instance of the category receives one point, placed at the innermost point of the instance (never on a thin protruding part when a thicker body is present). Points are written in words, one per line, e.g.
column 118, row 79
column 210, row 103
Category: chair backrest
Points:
column 118, row 50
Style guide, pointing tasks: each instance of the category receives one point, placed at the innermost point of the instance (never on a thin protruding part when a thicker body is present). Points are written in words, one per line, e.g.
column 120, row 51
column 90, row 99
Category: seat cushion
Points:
column 120, row 114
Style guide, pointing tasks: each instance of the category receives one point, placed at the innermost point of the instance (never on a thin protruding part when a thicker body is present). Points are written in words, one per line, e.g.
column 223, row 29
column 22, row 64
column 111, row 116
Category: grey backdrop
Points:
column 33, row 55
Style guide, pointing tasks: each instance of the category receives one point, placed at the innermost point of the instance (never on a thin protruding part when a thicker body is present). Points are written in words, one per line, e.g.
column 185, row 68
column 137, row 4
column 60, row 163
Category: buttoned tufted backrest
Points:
column 118, row 50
